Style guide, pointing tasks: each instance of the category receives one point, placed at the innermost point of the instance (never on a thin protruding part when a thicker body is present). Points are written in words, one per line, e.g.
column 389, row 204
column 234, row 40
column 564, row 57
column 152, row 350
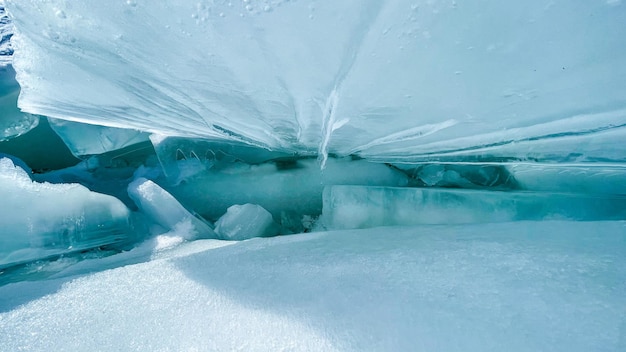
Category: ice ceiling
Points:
column 394, row 81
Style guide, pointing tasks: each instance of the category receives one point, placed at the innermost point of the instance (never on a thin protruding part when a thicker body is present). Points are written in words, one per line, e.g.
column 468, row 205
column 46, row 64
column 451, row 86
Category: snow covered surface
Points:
column 523, row 286
column 391, row 80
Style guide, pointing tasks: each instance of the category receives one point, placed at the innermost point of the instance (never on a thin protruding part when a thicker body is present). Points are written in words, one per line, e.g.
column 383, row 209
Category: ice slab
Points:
column 353, row 207
column 84, row 139
column 13, row 122
column 460, row 175
column 181, row 158
column 163, row 209
column 524, row 286
column 593, row 178
column 41, row 219
column 41, row 148
column 292, row 188
column 395, row 80
column 245, row 221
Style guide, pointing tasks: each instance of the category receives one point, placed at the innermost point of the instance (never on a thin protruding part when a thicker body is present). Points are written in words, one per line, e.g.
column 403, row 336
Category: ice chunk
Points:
column 245, row 221
column 84, row 139
column 13, row 122
column 41, row 219
column 599, row 178
column 289, row 186
column 350, row 207
column 41, row 148
column 185, row 157
column 162, row 208
column 461, row 175
column 392, row 80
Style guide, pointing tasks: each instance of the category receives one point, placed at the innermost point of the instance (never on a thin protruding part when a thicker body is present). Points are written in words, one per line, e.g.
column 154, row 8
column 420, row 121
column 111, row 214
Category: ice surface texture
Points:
column 13, row 122
column 353, row 207
column 393, row 80
column 244, row 221
column 288, row 190
column 165, row 210
column 83, row 139
column 6, row 32
column 43, row 219
column 524, row 286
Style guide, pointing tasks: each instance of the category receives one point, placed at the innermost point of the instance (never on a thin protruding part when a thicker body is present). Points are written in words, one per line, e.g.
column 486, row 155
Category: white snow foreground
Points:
column 523, row 286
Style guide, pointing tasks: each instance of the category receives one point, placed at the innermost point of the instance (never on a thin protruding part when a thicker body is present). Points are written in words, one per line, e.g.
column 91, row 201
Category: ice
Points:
column 165, row 210
column 394, row 81
column 40, row 148
column 181, row 158
column 592, row 178
column 245, row 221
column 13, row 122
column 523, row 286
column 287, row 189
column 40, row 220
column 461, row 175
column 84, row 139
column 264, row 115
column 353, row 207
column 6, row 32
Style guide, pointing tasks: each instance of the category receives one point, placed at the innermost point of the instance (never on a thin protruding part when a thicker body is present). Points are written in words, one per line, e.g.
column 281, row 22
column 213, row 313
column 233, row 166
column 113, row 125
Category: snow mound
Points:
column 523, row 286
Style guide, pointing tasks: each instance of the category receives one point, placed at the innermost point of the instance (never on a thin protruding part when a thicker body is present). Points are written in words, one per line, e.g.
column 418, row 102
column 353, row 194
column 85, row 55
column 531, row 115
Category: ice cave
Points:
column 312, row 175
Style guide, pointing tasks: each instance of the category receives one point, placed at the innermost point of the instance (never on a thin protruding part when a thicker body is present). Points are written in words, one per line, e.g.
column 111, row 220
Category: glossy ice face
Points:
column 387, row 80
column 41, row 220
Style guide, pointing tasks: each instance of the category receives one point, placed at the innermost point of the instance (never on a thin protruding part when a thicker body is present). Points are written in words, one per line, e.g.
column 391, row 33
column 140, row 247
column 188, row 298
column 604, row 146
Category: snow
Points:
column 522, row 286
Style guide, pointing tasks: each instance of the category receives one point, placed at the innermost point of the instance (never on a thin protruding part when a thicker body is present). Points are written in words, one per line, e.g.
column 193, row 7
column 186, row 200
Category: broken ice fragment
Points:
column 13, row 122
column 85, row 139
column 461, row 175
column 295, row 187
column 183, row 157
column 42, row 219
column 598, row 178
column 162, row 208
column 348, row 207
column 245, row 221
